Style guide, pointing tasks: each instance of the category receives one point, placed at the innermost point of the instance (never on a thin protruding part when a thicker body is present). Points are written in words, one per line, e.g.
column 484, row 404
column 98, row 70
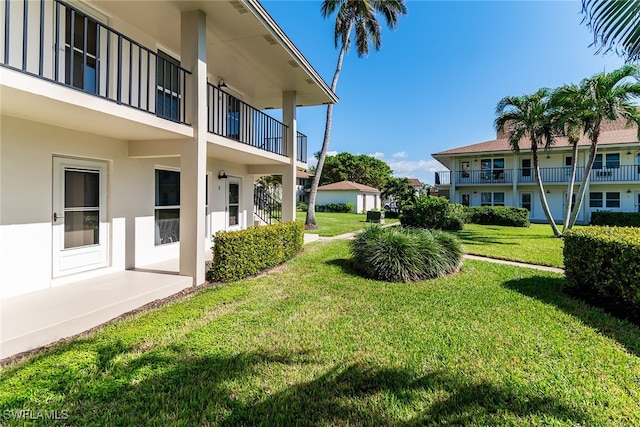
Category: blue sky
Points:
column 436, row 81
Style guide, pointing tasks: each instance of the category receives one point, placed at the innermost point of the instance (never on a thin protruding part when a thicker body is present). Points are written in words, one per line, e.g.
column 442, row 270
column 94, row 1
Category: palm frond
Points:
column 615, row 25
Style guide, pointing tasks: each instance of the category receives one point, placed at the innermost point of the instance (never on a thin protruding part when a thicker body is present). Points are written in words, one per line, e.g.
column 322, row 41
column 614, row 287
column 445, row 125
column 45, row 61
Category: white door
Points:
column 79, row 216
column 233, row 204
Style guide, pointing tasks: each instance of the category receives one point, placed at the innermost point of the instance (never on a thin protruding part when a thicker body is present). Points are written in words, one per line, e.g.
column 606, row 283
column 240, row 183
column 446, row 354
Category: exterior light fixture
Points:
column 222, row 174
column 628, row 153
column 628, row 191
column 222, row 84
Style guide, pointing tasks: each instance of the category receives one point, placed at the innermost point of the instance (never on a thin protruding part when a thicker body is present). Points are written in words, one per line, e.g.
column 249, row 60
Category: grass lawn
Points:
column 333, row 224
column 534, row 245
column 310, row 343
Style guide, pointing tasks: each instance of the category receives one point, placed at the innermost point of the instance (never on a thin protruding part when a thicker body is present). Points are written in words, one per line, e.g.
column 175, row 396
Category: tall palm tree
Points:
column 604, row 96
column 567, row 125
column 529, row 116
column 615, row 25
column 360, row 15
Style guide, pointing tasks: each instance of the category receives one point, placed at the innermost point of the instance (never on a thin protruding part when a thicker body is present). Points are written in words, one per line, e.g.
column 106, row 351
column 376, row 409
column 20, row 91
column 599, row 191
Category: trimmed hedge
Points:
column 405, row 254
column 498, row 215
column 604, row 261
column 430, row 212
column 616, row 219
column 336, row 207
column 243, row 253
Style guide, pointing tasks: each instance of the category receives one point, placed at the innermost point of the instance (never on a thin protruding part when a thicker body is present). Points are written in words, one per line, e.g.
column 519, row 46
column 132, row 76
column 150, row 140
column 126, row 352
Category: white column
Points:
column 452, row 181
column 193, row 158
column 289, row 176
column 514, row 180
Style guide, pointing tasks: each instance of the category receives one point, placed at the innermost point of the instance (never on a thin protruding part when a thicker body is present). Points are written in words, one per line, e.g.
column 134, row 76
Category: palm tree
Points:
column 361, row 16
column 615, row 25
column 567, row 125
column 529, row 116
column 605, row 96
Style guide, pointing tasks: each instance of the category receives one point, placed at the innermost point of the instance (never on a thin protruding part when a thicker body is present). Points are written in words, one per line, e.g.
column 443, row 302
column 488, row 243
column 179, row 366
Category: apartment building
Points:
column 132, row 131
column 490, row 173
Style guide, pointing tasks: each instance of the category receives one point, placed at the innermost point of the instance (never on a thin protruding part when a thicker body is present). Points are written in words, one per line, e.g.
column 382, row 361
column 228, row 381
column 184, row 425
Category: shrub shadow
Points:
column 550, row 291
column 345, row 264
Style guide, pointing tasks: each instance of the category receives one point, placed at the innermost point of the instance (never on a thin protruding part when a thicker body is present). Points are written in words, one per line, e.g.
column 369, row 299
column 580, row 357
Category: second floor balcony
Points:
column 620, row 174
column 58, row 43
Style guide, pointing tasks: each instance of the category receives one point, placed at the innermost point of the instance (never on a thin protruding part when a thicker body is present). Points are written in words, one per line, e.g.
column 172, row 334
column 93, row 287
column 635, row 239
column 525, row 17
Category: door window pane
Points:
column 485, row 199
column 168, row 82
column 498, row 199
column 526, row 167
column 81, row 208
column 167, row 207
column 233, row 215
column 466, row 199
column 525, row 201
column 234, row 203
column 82, row 61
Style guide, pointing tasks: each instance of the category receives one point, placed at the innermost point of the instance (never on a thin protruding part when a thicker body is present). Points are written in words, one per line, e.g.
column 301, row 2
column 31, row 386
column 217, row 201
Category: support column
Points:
column 514, row 181
column 289, row 176
column 452, row 180
column 193, row 159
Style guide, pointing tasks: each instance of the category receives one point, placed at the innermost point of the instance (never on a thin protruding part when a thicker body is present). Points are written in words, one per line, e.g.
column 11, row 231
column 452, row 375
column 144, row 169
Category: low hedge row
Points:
column 604, row 261
column 619, row 219
column 497, row 215
column 243, row 253
column 335, row 207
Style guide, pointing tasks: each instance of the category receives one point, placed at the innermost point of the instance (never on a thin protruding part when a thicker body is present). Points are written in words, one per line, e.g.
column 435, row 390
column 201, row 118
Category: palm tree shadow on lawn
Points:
column 203, row 390
column 550, row 291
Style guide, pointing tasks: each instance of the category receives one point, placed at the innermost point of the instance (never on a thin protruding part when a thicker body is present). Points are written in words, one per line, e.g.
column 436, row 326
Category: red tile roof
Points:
column 303, row 174
column 612, row 133
column 415, row 182
column 348, row 186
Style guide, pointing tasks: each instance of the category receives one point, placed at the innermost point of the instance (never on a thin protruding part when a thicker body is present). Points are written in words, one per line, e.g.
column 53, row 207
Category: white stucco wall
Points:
column 26, row 168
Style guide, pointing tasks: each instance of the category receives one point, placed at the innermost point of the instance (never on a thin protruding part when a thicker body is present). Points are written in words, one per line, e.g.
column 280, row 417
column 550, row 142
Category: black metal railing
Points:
column 486, row 176
column 624, row 173
column 302, row 147
column 57, row 42
column 265, row 206
column 234, row 119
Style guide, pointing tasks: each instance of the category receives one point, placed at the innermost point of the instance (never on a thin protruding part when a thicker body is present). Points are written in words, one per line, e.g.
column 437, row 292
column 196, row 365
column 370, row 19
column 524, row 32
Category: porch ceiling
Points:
column 245, row 47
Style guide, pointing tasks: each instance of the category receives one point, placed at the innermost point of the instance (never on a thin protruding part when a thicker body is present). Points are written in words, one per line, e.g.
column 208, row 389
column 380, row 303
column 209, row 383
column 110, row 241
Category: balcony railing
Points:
column 302, row 147
column 57, row 42
column 625, row 173
column 234, row 119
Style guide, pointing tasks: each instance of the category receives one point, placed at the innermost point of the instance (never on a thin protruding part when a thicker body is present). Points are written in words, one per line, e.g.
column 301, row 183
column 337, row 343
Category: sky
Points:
column 437, row 78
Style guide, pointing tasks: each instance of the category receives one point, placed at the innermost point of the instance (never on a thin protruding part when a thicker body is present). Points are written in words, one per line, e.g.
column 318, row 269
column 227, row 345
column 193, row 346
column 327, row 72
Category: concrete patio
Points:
column 35, row 319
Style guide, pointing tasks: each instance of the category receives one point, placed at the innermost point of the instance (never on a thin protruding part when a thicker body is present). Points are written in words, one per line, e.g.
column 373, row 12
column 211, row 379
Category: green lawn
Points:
column 333, row 224
column 534, row 245
column 310, row 343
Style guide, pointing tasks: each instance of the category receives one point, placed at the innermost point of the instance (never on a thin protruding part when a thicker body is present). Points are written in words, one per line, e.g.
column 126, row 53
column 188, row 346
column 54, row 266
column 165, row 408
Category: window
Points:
column 492, row 169
column 465, row 169
column 638, row 163
column 613, row 199
column 168, row 100
column 612, row 160
column 595, row 200
column 491, row 199
column 597, row 163
column 80, row 51
column 167, row 209
column 233, row 118
column 525, row 201
column 526, row 167
column 466, row 199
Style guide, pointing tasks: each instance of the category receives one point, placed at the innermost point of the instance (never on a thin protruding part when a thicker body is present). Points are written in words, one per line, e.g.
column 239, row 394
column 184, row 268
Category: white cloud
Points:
column 400, row 155
column 377, row 155
column 424, row 170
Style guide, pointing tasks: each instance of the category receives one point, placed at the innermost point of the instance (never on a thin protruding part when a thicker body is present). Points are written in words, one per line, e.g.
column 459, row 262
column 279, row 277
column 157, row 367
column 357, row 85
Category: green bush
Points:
column 431, row 212
column 615, row 219
column 243, row 253
column 498, row 215
column 335, row 207
column 604, row 261
column 301, row 206
column 405, row 254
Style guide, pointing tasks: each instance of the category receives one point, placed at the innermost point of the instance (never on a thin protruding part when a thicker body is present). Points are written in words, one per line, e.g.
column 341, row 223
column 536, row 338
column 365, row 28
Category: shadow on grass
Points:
column 345, row 264
column 232, row 390
column 549, row 290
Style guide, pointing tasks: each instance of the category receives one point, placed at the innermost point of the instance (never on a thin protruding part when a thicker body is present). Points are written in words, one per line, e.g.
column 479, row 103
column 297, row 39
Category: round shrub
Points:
column 397, row 254
column 433, row 213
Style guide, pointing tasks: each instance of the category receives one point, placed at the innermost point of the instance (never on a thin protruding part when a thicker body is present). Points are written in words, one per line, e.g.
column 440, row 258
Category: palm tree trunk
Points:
column 543, row 197
column 585, row 179
column 310, row 222
column 572, row 180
